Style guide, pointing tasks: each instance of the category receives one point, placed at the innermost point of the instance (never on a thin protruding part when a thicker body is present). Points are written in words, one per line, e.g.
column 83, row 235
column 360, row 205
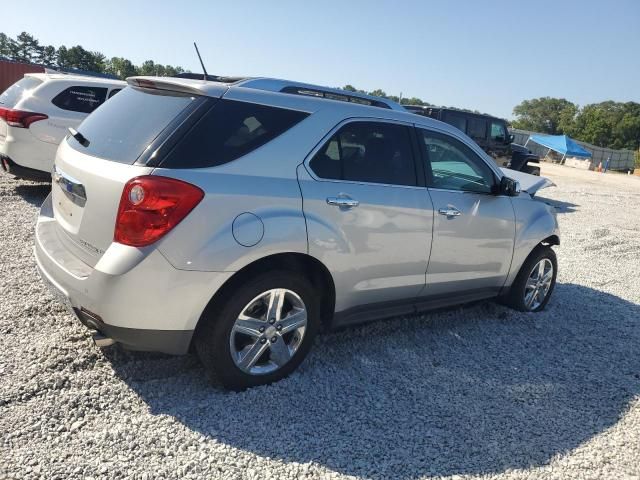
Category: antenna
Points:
column 201, row 62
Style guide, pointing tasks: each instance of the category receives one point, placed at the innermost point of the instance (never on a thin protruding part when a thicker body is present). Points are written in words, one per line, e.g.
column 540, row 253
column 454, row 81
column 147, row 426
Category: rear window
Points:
column 13, row 94
column 230, row 130
column 80, row 99
column 122, row 128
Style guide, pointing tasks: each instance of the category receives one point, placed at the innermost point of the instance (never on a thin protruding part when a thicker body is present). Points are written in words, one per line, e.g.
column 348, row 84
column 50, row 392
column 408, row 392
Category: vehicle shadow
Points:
column 475, row 390
column 560, row 206
column 33, row 193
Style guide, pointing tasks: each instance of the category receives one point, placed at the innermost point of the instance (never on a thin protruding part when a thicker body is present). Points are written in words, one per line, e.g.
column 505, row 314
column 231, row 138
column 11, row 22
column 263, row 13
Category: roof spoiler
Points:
column 169, row 84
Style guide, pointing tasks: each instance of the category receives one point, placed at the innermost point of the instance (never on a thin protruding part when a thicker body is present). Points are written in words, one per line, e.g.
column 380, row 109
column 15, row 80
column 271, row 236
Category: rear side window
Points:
column 127, row 124
column 13, row 94
column 230, row 130
column 457, row 121
column 373, row 152
column 477, row 128
column 114, row 91
column 80, row 99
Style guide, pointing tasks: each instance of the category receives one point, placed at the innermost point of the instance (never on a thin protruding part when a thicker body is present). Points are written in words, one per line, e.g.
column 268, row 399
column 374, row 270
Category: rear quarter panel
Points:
column 263, row 183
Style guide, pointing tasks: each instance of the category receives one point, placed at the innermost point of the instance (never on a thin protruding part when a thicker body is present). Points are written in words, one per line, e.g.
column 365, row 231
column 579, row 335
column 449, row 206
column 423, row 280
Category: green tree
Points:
column 378, row 93
column 148, row 67
column 7, row 46
column 120, row 67
column 26, row 48
column 47, row 55
column 609, row 124
column 78, row 57
column 351, row 88
column 545, row 115
column 414, row 101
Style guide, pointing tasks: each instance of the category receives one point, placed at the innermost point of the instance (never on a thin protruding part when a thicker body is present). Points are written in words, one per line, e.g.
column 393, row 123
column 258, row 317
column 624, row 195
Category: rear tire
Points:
column 255, row 336
column 534, row 284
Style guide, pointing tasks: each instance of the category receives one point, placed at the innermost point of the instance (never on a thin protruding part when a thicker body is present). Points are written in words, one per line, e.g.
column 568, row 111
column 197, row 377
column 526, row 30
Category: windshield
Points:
column 122, row 128
column 15, row 92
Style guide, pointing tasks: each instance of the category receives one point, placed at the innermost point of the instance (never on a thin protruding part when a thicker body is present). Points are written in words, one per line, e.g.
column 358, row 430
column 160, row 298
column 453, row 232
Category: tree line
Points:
column 606, row 124
column 383, row 94
column 26, row 48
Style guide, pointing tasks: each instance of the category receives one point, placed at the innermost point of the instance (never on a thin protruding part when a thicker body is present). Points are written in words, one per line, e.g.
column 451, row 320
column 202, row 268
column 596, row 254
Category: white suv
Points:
column 36, row 113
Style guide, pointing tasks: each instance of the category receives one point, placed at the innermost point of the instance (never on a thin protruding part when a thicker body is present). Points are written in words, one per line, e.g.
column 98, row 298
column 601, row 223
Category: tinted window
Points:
column 80, row 99
column 498, row 132
column 457, row 121
column 13, row 94
column 228, row 131
column 477, row 128
column 373, row 152
column 125, row 125
column 114, row 91
column 451, row 165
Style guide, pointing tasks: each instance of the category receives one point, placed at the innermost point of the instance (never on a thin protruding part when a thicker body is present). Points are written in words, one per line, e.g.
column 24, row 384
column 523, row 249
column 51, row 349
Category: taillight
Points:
column 151, row 206
column 20, row 118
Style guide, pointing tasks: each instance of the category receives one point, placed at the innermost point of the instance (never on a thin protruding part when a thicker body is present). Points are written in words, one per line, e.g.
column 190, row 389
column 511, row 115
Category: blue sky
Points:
column 486, row 55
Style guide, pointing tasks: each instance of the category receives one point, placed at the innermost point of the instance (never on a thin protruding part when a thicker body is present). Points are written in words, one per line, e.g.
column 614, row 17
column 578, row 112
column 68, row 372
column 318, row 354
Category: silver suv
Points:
column 240, row 216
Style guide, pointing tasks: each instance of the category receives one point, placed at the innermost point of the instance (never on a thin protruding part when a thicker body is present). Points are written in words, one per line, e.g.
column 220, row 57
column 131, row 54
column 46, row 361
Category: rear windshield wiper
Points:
column 81, row 139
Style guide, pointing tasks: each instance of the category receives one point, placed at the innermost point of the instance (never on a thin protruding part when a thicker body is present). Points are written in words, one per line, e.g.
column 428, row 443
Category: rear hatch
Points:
column 114, row 144
column 12, row 95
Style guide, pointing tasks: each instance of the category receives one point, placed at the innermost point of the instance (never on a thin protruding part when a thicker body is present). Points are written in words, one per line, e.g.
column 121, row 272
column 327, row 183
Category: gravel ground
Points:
column 474, row 392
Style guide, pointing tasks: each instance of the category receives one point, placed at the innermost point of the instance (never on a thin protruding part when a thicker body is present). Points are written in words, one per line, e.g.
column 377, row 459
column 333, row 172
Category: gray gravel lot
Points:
column 474, row 392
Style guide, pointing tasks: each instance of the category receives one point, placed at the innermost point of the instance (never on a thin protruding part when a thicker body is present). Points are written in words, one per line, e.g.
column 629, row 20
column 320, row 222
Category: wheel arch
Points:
column 307, row 265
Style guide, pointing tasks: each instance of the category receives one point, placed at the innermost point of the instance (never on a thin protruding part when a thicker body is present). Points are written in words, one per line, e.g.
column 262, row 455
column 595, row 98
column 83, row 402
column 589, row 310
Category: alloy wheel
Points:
column 268, row 331
column 538, row 284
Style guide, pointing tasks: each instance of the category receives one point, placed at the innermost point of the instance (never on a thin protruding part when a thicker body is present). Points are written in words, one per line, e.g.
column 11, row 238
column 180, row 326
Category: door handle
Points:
column 450, row 212
column 343, row 202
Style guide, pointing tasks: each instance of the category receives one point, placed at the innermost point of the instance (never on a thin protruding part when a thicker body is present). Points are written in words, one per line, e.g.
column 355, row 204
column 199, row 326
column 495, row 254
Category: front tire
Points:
column 535, row 282
column 261, row 332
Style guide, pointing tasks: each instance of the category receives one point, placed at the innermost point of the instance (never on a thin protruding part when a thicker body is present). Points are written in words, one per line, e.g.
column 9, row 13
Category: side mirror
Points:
column 511, row 138
column 509, row 187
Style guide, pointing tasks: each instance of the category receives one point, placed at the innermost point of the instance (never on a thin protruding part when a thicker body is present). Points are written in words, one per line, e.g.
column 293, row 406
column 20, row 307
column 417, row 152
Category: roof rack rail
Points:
column 332, row 95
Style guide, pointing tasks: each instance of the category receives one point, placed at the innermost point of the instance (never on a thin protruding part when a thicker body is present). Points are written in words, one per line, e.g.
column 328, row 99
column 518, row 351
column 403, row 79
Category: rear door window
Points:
column 372, row 152
column 230, row 130
column 457, row 121
column 80, row 99
column 477, row 128
column 127, row 124
column 14, row 93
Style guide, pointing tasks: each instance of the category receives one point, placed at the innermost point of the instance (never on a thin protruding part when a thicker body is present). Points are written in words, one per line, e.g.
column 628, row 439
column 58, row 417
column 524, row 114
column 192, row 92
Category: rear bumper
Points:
column 175, row 342
column 149, row 305
column 28, row 153
column 18, row 171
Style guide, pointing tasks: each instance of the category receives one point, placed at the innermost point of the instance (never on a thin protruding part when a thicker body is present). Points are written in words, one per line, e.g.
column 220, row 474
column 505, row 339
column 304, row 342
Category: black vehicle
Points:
column 490, row 133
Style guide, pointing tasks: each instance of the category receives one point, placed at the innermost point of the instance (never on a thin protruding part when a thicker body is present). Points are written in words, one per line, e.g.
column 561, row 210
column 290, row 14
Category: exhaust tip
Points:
column 101, row 341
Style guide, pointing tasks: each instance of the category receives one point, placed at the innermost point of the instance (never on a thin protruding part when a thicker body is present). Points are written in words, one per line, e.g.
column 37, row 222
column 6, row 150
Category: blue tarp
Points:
column 562, row 144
